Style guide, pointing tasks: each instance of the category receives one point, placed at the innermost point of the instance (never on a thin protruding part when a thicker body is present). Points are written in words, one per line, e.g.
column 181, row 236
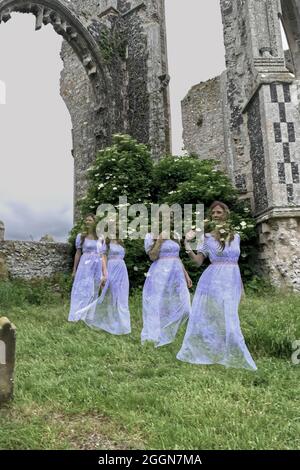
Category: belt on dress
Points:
column 168, row 257
column 223, row 262
column 115, row 257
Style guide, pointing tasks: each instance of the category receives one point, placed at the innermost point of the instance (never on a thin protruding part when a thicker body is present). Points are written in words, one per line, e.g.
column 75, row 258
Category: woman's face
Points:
column 218, row 213
column 89, row 221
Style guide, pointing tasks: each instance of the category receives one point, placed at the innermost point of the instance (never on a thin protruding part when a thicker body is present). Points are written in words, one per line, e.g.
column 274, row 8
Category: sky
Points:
column 36, row 176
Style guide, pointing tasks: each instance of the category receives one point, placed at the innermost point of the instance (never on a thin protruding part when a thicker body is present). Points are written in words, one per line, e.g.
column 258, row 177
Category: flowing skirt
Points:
column 166, row 301
column 213, row 334
column 110, row 311
column 86, row 283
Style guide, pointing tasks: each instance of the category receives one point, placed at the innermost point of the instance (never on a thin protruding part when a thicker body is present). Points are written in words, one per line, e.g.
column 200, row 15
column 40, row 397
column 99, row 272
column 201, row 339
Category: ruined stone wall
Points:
column 28, row 260
column 203, row 121
column 279, row 258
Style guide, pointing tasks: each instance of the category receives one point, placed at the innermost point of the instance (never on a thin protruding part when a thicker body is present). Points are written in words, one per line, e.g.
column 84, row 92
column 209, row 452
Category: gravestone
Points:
column 7, row 358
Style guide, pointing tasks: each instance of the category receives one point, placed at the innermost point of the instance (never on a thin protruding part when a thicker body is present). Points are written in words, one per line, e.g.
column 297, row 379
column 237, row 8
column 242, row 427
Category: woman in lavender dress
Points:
column 213, row 333
column 110, row 311
column 166, row 299
column 89, row 269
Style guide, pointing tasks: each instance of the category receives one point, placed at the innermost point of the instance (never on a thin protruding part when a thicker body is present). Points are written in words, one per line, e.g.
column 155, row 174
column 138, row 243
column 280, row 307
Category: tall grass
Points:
column 80, row 388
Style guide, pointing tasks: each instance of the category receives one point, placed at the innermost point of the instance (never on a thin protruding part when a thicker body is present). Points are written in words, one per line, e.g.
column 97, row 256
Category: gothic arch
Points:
column 68, row 25
column 291, row 23
column 99, row 101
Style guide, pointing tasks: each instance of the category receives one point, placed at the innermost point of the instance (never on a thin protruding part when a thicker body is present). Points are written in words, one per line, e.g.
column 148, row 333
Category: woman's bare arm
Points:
column 104, row 270
column 187, row 276
column 154, row 252
column 197, row 258
column 76, row 261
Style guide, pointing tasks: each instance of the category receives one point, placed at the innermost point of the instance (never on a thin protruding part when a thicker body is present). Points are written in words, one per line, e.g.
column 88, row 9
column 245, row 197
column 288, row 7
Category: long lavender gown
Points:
column 166, row 298
column 110, row 311
column 88, row 275
column 213, row 333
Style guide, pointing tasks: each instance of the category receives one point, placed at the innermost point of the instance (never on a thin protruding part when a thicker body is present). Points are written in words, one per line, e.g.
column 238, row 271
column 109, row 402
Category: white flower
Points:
column 222, row 230
column 135, row 268
column 115, row 188
column 243, row 223
column 101, row 186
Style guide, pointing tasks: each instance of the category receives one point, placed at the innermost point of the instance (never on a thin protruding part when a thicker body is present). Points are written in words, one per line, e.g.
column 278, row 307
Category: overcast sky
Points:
column 36, row 176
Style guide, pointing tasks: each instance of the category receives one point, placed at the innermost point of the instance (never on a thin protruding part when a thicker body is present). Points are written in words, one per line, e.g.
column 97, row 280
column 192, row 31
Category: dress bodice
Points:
column 211, row 248
column 169, row 248
column 116, row 251
column 90, row 246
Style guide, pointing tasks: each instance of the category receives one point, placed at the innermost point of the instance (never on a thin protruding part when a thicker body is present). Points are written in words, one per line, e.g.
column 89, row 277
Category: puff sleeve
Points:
column 78, row 241
column 203, row 247
column 148, row 242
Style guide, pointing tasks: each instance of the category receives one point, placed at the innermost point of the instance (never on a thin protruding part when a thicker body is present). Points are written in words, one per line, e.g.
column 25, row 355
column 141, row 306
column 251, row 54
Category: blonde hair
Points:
column 225, row 225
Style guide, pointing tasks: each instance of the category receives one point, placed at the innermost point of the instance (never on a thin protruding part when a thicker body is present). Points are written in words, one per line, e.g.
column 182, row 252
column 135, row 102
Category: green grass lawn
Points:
column 76, row 388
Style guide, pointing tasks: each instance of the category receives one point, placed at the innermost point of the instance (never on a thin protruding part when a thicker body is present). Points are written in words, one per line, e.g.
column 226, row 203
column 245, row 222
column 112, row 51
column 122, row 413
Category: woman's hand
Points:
column 189, row 236
column 163, row 236
column 189, row 281
column 103, row 282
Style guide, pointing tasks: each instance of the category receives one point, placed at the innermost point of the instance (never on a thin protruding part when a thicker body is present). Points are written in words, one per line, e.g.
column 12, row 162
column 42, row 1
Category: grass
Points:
column 76, row 388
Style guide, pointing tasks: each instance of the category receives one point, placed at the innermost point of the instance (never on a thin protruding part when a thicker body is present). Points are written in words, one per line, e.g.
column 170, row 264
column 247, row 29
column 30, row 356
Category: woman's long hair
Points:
column 85, row 229
column 221, row 230
column 118, row 239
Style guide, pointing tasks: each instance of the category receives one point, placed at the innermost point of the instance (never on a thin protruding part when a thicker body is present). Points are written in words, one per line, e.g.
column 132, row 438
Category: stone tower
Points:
column 115, row 76
column 253, row 108
column 264, row 127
